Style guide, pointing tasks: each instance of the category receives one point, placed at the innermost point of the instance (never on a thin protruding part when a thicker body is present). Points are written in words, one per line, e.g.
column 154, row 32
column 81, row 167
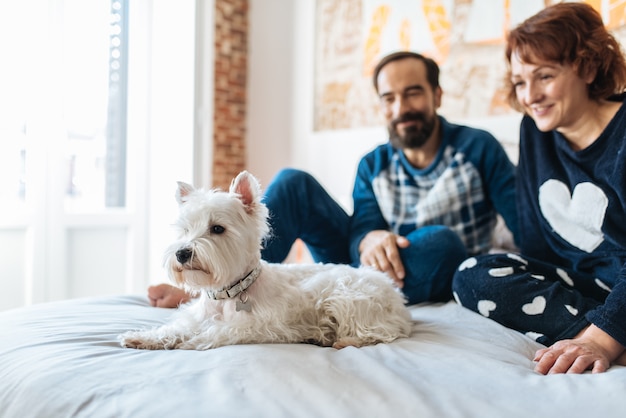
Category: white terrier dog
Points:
column 245, row 300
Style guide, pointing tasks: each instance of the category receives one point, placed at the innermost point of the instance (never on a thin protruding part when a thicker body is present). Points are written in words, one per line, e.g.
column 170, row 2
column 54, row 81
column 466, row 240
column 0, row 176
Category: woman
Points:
column 567, row 288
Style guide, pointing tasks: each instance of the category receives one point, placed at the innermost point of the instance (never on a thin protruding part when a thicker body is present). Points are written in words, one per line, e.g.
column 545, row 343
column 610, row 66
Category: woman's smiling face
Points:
column 549, row 92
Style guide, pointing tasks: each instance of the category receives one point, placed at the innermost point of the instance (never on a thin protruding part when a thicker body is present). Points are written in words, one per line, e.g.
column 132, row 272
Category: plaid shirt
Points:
column 470, row 181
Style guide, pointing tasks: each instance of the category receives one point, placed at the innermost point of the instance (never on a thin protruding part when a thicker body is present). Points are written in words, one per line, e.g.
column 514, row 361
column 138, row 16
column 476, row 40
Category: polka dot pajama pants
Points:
column 544, row 302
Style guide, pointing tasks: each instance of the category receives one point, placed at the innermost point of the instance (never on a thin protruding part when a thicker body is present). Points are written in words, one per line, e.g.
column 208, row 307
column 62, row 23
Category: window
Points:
column 83, row 53
column 96, row 125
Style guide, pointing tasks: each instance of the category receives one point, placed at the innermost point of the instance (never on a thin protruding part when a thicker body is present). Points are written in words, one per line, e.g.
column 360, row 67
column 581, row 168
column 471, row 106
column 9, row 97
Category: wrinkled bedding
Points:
column 63, row 359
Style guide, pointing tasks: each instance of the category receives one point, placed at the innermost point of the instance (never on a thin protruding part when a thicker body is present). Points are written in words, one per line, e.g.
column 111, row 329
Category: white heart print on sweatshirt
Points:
column 577, row 217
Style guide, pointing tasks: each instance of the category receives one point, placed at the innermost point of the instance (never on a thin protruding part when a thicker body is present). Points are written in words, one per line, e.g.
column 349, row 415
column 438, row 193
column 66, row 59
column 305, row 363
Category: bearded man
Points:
column 423, row 201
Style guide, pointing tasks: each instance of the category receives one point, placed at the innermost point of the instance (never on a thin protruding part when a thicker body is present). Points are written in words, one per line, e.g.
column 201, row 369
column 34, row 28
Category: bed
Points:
column 63, row 359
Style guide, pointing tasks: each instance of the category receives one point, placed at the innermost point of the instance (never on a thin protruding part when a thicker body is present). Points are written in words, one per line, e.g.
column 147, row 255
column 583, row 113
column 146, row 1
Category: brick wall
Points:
column 229, row 124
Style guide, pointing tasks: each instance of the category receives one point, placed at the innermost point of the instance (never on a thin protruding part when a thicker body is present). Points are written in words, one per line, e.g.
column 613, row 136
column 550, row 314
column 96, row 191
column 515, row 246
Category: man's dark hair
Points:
column 432, row 69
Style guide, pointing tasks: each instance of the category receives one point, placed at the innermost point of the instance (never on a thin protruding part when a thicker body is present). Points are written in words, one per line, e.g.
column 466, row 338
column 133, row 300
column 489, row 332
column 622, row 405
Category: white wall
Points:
column 280, row 113
column 280, row 100
column 270, row 82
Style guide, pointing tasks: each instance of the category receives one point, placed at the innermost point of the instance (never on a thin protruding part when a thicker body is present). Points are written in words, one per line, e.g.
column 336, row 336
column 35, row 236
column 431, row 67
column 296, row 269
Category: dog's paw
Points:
column 348, row 342
column 139, row 344
column 148, row 341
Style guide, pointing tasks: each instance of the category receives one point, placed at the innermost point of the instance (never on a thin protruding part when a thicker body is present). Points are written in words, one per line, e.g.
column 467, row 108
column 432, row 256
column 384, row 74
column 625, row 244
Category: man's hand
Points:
column 379, row 249
column 167, row 296
column 593, row 349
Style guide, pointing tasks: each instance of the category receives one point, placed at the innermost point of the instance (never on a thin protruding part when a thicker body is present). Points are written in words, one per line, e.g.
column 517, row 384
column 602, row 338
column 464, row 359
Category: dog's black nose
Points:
column 183, row 255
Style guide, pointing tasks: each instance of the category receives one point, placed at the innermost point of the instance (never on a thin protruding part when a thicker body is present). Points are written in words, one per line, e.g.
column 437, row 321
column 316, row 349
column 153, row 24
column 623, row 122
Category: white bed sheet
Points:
column 63, row 359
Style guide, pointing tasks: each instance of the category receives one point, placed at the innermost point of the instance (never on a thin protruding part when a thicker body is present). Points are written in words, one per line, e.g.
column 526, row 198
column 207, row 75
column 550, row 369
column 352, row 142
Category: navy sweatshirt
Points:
column 572, row 210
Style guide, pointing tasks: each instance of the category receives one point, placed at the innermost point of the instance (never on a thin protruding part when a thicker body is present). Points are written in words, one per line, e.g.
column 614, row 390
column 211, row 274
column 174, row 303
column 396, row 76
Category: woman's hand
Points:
column 593, row 349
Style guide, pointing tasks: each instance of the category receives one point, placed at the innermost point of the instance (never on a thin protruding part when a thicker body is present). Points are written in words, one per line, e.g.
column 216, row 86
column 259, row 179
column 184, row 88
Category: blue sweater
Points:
column 572, row 209
column 468, row 183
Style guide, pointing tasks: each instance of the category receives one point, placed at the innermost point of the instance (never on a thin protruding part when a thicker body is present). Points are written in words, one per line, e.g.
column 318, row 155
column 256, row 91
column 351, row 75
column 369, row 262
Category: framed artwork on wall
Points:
column 465, row 37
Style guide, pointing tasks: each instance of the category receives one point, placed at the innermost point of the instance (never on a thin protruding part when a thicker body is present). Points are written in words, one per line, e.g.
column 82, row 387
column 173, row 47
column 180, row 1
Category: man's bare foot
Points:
column 167, row 296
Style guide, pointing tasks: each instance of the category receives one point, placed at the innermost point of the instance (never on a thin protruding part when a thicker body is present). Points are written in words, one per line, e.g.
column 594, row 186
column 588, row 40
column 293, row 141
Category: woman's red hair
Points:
column 570, row 34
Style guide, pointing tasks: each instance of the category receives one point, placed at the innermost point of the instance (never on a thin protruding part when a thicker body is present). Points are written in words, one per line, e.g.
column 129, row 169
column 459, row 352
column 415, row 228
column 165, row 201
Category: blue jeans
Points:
column 301, row 208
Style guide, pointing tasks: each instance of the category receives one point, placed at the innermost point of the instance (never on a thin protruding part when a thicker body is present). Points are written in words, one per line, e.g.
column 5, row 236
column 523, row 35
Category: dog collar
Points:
column 236, row 288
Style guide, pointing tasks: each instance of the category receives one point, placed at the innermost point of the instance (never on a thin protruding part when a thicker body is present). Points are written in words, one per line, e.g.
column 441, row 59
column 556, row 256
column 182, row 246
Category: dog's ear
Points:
column 248, row 188
column 183, row 191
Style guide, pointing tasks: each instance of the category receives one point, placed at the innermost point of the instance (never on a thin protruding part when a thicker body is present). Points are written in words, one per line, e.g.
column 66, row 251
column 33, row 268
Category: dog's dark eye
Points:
column 217, row 229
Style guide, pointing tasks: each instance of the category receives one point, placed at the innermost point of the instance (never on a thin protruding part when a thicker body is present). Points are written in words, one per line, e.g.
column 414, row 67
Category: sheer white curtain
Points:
column 96, row 125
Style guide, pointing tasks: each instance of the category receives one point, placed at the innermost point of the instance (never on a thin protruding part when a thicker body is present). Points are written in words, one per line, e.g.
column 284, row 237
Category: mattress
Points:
column 63, row 359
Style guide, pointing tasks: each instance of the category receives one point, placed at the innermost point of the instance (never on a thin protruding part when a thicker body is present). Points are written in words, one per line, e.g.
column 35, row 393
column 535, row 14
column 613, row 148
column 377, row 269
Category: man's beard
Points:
column 414, row 136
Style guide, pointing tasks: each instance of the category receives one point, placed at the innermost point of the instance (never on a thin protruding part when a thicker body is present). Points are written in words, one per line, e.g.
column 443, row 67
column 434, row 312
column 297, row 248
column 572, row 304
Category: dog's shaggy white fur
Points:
column 219, row 249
